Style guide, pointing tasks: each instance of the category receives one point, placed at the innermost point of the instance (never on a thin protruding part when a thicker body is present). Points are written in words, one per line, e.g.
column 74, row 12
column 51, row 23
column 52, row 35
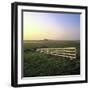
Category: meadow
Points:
column 41, row 64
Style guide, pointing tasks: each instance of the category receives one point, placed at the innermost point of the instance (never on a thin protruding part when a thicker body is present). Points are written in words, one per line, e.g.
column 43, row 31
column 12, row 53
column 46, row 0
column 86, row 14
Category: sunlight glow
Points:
column 38, row 26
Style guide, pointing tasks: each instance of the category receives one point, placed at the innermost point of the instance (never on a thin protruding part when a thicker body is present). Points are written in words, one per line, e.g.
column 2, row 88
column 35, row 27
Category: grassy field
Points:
column 40, row 64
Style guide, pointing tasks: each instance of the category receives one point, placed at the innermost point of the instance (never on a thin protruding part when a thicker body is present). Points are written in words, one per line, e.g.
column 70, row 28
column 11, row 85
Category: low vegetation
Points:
column 41, row 64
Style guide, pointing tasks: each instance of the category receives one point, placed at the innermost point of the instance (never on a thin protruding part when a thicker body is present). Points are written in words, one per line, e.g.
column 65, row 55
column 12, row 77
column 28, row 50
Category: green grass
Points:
column 40, row 64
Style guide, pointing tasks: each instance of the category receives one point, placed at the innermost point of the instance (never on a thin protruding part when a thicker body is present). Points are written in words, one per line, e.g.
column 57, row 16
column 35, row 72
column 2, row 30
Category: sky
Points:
column 53, row 26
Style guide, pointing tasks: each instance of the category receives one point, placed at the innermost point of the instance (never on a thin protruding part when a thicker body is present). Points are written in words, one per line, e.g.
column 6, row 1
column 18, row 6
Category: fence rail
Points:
column 69, row 52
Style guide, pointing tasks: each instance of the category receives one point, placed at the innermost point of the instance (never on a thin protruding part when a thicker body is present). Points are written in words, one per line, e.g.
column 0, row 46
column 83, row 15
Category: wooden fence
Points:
column 69, row 52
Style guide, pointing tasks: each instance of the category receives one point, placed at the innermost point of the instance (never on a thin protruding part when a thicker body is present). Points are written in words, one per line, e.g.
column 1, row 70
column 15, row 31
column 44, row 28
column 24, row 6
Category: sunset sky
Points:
column 54, row 26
